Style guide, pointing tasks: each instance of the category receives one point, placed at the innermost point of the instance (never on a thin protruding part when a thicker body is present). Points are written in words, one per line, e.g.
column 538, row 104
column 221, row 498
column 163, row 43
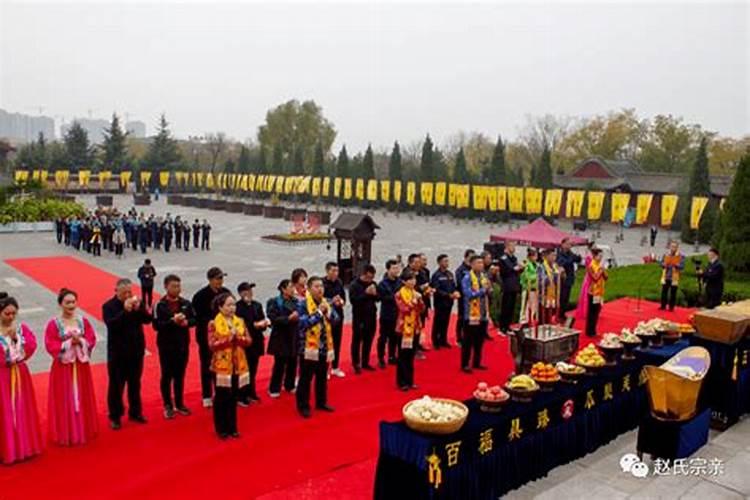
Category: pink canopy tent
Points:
column 539, row 234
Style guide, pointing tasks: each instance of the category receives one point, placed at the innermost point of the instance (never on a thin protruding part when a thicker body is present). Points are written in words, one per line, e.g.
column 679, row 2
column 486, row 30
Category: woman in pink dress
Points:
column 69, row 339
column 20, row 436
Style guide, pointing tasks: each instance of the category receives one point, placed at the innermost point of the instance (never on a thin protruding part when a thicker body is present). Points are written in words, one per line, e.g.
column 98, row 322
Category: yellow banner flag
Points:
column 326, row 188
column 372, row 190
column 668, row 208
column 385, row 190
column 347, row 189
column 697, row 206
column 411, row 192
column 574, row 203
column 596, row 203
column 337, row 183
column 164, row 179
column 491, row 198
column 359, row 189
column 43, row 176
column 125, row 178
column 440, row 190
column 244, row 182
column 643, row 207
column 303, row 187
column 21, row 176
column 533, row 198
column 397, row 191
column 288, row 185
column 35, row 175
column 280, row 184
column 316, row 187
column 502, row 198
column 553, row 202
column 479, row 197
column 251, row 179
column 463, row 193
column 620, row 203
column 201, row 179
column 104, row 177
column 425, row 193
column 219, row 180
column 452, row 195
column 209, row 180
column 61, row 178
column 84, row 177
column 515, row 200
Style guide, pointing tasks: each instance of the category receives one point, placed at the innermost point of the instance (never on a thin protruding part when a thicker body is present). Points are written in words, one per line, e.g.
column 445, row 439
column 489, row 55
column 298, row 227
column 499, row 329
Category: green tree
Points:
column 735, row 220
column 699, row 185
column 115, row 146
column 669, row 145
column 495, row 174
column 163, row 153
column 262, row 162
column 244, row 164
column 319, row 163
column 58, row 156
column 544, row 173
column 342, row 164
column 297, row 167
column 395, row 171
column 80, row 152
column 368, row 164
column 460, row 172
column 426, row 165
column 230, row 167
column 277, row 163
column 294, row 124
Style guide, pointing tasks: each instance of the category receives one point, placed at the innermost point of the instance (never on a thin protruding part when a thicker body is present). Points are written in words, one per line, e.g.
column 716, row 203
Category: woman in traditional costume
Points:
column 408, row 327
column 20, row 435
column 529, row 290
column 549, row 288
column 70, row 339
column 227, row 337
column 598, row 275
column 582, row 308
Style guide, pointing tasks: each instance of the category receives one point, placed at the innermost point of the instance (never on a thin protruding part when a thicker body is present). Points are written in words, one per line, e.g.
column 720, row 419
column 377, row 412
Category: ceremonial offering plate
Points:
column 435, row 415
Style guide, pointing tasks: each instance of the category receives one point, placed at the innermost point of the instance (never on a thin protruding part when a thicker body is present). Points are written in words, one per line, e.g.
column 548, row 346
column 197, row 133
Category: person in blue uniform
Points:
column 444, row 284
column 510, row 274
column 387, row 288
column 461, row 271
column 567, row 260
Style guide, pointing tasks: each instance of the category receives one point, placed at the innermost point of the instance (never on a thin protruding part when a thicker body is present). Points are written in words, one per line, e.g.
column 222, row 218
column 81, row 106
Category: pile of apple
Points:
column 494, row 394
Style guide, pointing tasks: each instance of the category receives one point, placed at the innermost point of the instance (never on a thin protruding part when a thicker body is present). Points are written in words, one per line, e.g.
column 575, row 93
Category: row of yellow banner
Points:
column 518, row 200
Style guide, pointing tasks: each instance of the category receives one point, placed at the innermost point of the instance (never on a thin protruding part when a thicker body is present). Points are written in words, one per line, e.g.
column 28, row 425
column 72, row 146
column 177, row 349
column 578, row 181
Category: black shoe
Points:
column 244, row 402
column 184, row 411
column 404, row 388
column 357, row 370
column 414, row 386
column 466, row 369
column 305, row 412
column 235, row 435
column 661, row 308
column 392, row 361
column 327, row 408
column 254, row 398
column 139, row 419
column 223, row 436
column 168, row 412
column 447, row 346
column 115, row 424
column 381, row 364
column 480, row 367
column 368, row 368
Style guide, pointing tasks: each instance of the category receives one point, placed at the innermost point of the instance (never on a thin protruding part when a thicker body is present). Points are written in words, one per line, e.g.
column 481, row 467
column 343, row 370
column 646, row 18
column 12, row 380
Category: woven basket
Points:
column 421, row 425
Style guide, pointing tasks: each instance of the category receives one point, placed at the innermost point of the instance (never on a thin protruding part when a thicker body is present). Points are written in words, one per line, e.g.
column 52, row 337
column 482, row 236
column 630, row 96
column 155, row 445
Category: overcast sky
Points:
column 381, row 72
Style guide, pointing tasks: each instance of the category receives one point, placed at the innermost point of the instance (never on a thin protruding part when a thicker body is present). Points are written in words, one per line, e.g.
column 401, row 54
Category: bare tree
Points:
column 216, row 145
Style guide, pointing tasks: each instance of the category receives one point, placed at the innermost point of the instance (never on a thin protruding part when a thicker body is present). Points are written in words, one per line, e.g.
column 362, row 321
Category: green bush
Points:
column 38, row 209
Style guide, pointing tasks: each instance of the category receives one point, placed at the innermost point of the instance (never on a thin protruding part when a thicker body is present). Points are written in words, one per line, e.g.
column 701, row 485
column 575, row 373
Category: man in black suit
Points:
column 251, row 311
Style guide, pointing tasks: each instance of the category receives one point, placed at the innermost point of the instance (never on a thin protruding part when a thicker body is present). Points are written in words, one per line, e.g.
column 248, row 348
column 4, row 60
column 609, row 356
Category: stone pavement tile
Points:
column 612, row 452
column 588, row 484
column 556, row 476
column 736, row 437
column 706, row 490
column 665, row 487
column 735, row 474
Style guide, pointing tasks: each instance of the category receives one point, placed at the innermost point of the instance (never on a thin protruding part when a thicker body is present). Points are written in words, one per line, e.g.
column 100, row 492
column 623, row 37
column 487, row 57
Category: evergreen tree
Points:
column 277, row 163
column 426, row 165
column 439, row 165
column 319, row 163
column 460, row 172
column 262, row 162
column 39, row 153
column 114, row 146
column 496, row 174
column 297, row 166
column 368, row 164
column 243, row 161
column 533, row 177
column 79, row 151
column 163, row 152
column 735, row 220
column 699, row 185
column 395, row 171
column 230, row 167
column 342, row 164
column 544, row 172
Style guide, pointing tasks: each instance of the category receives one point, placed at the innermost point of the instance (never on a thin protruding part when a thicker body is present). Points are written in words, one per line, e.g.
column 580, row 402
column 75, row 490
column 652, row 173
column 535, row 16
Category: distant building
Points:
column 136, row 129
column 25, row 128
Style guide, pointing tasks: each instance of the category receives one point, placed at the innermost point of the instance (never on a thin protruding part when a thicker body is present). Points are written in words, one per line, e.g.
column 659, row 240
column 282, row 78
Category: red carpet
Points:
column 279, row 456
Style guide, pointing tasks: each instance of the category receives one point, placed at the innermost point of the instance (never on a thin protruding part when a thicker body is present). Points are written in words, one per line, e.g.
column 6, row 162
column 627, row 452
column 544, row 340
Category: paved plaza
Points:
column 238, row 249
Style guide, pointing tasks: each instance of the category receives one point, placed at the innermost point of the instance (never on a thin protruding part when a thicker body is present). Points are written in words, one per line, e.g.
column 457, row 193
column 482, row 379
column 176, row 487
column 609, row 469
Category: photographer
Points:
column 713, row 279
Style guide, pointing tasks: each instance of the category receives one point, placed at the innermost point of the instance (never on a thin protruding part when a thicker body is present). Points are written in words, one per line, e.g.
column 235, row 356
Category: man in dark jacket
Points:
column 251, row 311
column 173, row 318
column 713, row 279
column 335, row 294
column 125, row 316
column 387, row 289
column 196, row 233
column 143, row 236
column 177, row 232
column 186, row 236
column 167, row 235
column 204, row 313
column 461, row 271
column 282, row 344
column 206, row 235
column 510, row 272
column 444, row 284
column 363, row 294
column 146, row 275
column 567, row 260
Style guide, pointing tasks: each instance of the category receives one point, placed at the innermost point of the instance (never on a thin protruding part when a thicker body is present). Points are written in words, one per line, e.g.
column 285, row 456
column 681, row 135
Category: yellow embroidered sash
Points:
column 230, row 360
column 597, row 287
column 475, row 304
column 409, row 327
column 674, row 261
column 551, row 291
column 312, row 335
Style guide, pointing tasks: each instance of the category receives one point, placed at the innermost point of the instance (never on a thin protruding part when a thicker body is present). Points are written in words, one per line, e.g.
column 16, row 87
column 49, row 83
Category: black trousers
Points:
column 668, row 295
column 195, row 241
column 205, row 244
column 173, row 361
column 440, row 325
column 387, row 337
column 337, row 332
column 507, row 308
column 225, row 408
column 308, row 370
column 123, row 372
column 284, row 370
column 186, row 244
column 713, row 298
column 471, row 347
column 250, row 391
column 59, row 237
column 167, row 244
column 363, row 333
column 178, row 240
column 143, row 247
column 118, row 249
column 134, row 243
column 204, row 354
column 592, row 316
column 405, row 364
column 564, row 300
column 147, row 293
column 96, row 249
